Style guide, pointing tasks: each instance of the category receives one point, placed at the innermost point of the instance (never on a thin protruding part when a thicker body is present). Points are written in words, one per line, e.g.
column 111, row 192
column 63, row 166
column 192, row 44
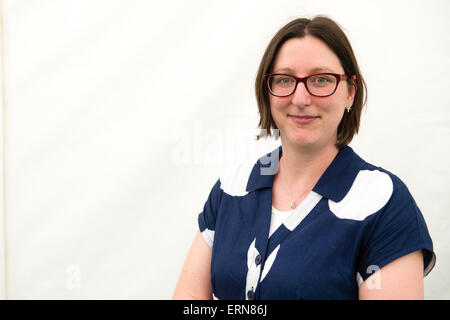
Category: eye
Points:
column 283, row 80
column 321, row 80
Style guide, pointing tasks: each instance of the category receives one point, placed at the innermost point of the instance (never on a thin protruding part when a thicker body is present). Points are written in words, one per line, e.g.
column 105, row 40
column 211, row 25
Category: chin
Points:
column 305, row 141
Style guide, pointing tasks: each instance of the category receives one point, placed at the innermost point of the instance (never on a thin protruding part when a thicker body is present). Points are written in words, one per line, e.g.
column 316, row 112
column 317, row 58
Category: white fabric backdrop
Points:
column 120, row 115
column 2, row 202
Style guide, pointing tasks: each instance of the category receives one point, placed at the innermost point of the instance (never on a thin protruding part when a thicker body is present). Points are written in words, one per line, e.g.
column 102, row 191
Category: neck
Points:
column 304, row 166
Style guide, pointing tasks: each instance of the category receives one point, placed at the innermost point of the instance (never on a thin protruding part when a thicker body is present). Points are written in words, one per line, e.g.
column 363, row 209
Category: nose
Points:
column 301, row 96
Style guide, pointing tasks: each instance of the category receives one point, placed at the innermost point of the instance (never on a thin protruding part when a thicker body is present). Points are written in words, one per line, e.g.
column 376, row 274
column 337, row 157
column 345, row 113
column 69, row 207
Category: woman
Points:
column 310, row 220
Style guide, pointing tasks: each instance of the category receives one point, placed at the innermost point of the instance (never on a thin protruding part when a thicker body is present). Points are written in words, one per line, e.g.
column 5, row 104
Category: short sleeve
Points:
column 396, row 230
column 207, row 218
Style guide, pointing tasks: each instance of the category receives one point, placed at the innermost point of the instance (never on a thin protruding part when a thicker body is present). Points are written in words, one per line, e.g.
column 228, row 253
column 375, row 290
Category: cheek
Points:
column 327, row 107
column 334, row 107
column 332, row 112
column 278, row 107
column 277, row 103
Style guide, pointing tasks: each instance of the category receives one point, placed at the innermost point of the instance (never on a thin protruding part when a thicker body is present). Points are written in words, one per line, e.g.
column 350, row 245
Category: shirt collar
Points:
column 334, row 183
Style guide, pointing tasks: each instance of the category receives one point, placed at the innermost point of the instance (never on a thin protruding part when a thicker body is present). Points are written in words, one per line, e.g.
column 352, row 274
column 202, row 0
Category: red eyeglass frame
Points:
column 339, row 77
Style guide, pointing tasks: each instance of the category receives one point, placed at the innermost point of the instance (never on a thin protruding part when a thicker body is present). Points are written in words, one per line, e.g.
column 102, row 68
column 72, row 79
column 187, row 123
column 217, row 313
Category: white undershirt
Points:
column 277, row 218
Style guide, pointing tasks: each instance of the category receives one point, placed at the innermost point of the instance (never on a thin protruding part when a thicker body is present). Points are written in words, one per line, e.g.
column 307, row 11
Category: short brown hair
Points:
column 328, row 31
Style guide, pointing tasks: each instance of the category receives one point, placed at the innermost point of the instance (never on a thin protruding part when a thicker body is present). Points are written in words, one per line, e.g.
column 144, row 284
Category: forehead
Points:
column 305, row 55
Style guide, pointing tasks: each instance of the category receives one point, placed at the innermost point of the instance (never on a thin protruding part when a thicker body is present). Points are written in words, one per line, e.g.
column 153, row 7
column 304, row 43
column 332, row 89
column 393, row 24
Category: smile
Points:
column 303, row 119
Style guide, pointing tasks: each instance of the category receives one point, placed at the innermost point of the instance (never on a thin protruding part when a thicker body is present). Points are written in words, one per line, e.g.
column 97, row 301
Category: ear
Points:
column 352, row 87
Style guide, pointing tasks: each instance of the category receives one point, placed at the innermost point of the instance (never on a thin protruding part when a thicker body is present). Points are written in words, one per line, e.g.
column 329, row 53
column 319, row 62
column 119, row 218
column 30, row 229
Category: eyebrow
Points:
column 311, row 71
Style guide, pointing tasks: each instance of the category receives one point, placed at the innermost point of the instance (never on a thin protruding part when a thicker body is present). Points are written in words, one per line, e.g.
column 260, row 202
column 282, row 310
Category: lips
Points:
column 303, row 118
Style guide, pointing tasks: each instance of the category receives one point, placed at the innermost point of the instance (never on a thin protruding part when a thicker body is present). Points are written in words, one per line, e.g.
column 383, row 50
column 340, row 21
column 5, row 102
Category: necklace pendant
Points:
column 292, row 204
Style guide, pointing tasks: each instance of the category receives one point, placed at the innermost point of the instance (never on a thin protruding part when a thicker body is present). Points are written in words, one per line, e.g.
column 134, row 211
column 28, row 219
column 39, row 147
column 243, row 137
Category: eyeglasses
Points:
column 318, row 85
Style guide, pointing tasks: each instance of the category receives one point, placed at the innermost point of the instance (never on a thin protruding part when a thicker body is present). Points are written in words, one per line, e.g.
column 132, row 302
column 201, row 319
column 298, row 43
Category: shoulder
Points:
column 234, row 178
column 371, row 191
column 382, row 179
column 377, row 179
column 252, row 174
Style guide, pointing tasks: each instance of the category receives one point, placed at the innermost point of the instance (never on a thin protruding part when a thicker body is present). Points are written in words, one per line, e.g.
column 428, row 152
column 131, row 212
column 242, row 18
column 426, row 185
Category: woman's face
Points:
column 303, row 119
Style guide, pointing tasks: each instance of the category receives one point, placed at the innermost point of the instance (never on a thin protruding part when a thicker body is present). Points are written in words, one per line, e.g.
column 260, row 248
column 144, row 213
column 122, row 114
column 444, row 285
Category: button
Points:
column 250, row 295
column 258, row 259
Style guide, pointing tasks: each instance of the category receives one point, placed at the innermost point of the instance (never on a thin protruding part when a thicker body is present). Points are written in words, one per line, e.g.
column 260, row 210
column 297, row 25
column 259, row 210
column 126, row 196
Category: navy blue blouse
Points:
column 357, row 219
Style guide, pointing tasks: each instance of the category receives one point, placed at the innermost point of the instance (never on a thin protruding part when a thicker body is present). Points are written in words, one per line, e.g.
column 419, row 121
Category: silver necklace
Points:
column 292, row 205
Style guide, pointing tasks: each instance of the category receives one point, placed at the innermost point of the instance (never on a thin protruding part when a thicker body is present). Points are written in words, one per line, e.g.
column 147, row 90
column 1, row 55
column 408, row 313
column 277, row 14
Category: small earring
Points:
column 349, row 108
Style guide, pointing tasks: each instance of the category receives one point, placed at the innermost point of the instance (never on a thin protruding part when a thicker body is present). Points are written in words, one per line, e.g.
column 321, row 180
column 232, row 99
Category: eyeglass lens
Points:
column 320, row 85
